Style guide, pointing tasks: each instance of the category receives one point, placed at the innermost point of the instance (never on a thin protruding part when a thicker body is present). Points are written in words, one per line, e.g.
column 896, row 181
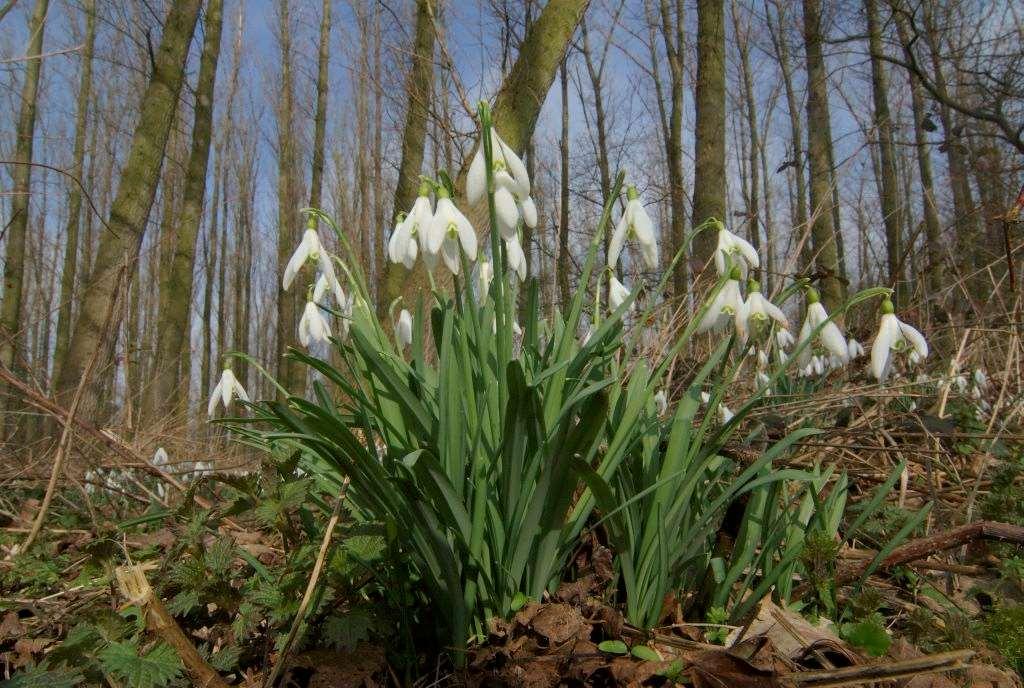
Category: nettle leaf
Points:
column 184, row 602
column 220, row 555
column 345, row 632
column 293, row 494
column 869, row 635
column 44, row 678
column 156, row 668
column 82, row 641
column 226, row 659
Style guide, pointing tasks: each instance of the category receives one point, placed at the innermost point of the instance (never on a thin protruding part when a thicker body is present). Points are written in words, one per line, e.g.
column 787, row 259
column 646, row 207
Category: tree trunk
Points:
column 709, row 158
column 418, row 89
column 562, row 268
column 889, row 188
column 675, row 48
column 290, row 375
column 134, row 200
column 11, row 321
column 69, row 273
column 800, row 222
column 320, row 118
column 753, row 201
column 176, row 287
column 595, row 73
column 823, row 231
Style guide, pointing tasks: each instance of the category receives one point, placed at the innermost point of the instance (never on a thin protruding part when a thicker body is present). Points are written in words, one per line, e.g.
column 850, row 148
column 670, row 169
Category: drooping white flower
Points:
column 762, row 358
column 635, row 223
column 980, row 380
column 725, row 414
column 311, row 249
column 762, row 379
column 528, row 209
column 661, row 402
column 323, row 283
column 617, row 293
column 705, row 397
column 726, row 307
column 854, row 349
column 484, row 275
column 409, row 236
column 505, row 162
column 587, row 334
column 228, row 387
column 784, row 338
column 313, row 326
column 735, row 251
column 449, row 232
column 830, row 336
column 893, row 335
column 759, row 311
column 403, row 329
column 160, row 458
column 516, row 257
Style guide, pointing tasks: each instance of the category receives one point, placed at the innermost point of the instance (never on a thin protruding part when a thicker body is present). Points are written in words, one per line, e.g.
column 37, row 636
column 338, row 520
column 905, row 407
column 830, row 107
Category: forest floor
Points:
column 125, row 571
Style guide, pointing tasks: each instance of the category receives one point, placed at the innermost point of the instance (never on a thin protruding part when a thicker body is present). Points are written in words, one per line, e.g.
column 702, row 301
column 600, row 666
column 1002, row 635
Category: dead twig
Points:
column 870, row 673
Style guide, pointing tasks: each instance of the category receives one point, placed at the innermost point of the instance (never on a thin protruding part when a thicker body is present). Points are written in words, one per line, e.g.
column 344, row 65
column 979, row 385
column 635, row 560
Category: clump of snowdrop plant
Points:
column 823, row 336
column 482, row 449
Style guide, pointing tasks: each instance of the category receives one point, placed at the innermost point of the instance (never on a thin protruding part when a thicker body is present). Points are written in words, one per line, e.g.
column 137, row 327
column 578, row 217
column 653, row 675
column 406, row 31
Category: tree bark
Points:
column 69, row 273
column 11, row 321
column 796, row 163
column 709, row 158
column 418, row 89
column 134, row 199
column 889, row 187
column 174, row 325
column 320, row 118
column 750, row 110
column 675, row 48
column 562, row 268
column 290, row 374
column 823, row 231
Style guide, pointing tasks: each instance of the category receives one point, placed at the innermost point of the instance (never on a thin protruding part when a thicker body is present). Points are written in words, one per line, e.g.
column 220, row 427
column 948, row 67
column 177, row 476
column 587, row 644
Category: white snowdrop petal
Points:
column 476, row 180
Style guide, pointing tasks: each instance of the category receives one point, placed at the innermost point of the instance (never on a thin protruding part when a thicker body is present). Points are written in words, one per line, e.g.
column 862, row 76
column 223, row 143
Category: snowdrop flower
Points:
column 403, row 329
column 228, row 387
column 784, row 338
column 448, row 231
column 587, row 334
column 410, row 233
column 705, row 397
column 727, row 305
column 893, row 335
column 311, row 249
column 759, row 311
column 854, row 349
column 725, row 414
column 160, row 458
column 484, row 275
column 661, row 402
column 516, row 257
column 960, row 382
column 323, row 283
column 830, row 336
column 617, row 293
column 738, row 250
column 762, row 358
column 313, row 326
column 980, row 380
column 763, row 380
column 508, row 169
column 635, row 223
